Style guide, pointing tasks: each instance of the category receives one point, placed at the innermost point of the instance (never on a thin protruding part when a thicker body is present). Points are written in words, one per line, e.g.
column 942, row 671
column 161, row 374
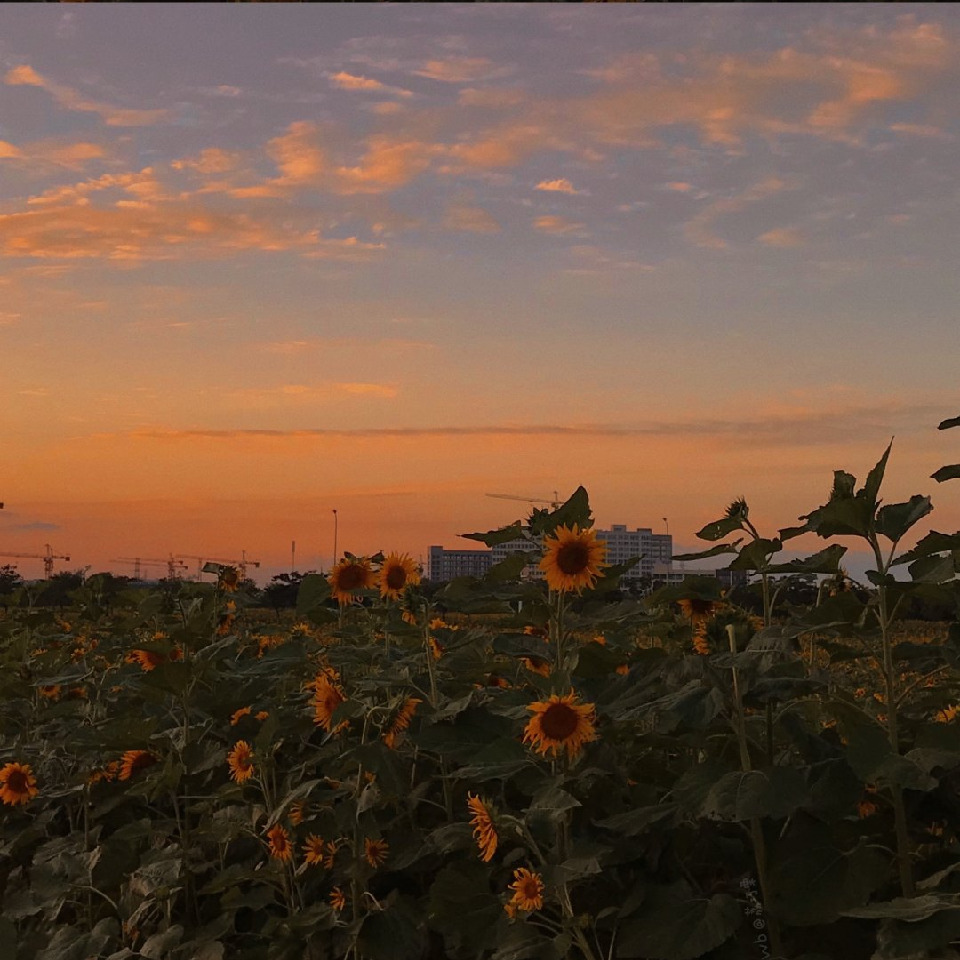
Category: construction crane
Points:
column 240, row 564
column 555, row 502
column 47, row 559
column 173, row 566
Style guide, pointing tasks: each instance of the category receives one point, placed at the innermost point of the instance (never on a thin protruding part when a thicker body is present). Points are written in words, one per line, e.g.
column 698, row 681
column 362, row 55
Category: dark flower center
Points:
column 351, row 577
column 559, row 721
column 573, row 558
column 396, row 577
column 17, row 781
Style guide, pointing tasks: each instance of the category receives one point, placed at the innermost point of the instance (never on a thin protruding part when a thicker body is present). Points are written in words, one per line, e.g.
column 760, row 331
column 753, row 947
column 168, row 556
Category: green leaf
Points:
column 313, row 592
column 871, row 488
column 720, row 528
column 826, row 561
column 493, row 538
column 933, row 542
column 675, row 925
column 575, row 511
column 159, row 945
column 712, row 552
column 461, row 907
column 552, row 801
column 844, row 516
column 947, row 424
column 632, row 823
column 755, row 555
column 934, row 569
column 949, row 472
column 742, row 795
column 813, row 879
column 895, row 519
column 903, row 908
column 394, row 933
column 897, row 939
column 509, row 569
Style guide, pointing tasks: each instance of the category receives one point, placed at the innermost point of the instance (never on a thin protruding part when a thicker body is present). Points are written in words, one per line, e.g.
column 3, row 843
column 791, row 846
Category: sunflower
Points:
column 238, row 715
column 18, row 785
column 397, row 573
column 536, row 664
column 560, row 723
column 313, row 850
column 483, row 829
column 240, row 761
column 375, row 851
column 527, row 890
column 348, row 577
column 401, row 721
column 330, row 856
column 436, row 650
column 229, row 579
column 279, row 842
column 50, row 691
column 326, row 699
column 572, row 559
column 107, row 773
column 295, row 813
column 134, row 760
column 148, row 659
column 338, row 899
column 948, row 714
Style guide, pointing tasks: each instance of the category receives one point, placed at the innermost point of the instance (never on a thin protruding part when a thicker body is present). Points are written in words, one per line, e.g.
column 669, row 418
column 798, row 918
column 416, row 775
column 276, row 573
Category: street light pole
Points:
column 334, row 539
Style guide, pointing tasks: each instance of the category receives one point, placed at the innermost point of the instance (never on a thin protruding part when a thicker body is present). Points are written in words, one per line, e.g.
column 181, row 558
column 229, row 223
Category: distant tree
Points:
column 281, row 592
column 58, row 589
column 10, row 581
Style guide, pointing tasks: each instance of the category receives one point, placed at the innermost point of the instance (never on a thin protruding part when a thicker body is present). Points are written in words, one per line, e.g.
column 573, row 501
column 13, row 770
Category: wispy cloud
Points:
column 298, row 394
column 70, row 99
column 348, row 81
column 462, row 70
column 560, row 185
column 852, row 423
column 559, row 226
column 470, row 218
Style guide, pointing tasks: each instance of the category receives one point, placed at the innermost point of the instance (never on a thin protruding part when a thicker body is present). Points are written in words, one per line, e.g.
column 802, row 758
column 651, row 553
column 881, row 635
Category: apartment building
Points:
column 443, row 564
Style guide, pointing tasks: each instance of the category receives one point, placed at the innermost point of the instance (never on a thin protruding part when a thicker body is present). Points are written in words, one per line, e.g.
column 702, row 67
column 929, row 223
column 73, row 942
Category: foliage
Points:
column 596, row 776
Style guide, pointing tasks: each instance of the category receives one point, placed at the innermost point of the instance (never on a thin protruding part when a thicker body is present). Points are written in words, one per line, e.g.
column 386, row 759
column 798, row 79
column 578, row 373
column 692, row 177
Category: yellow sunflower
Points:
column 18, row 785
column 560, row 723
column 240, row 761
column 397, row 573
column 313, row 850
column 536, row 664
column 483, row 829
column 375, row 851
column 279, row 842
column 229, row 579
column 348, row 578
column 238, row 715
column 148, row 659
column 326, row 699
column 527, row 890
column 134, row 760
column 401, row 721
column 572, row 559
column 338, row 899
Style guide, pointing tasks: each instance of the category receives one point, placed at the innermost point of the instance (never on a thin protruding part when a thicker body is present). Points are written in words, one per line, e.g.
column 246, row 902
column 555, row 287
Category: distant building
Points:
column 622, row 544
column 664, row 574
column 446, row 564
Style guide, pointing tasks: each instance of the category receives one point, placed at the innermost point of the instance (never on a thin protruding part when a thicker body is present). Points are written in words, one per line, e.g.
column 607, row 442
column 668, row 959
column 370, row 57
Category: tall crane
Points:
column 555, row 502
column 240, row 564
column 173, row 566
column 47, row 559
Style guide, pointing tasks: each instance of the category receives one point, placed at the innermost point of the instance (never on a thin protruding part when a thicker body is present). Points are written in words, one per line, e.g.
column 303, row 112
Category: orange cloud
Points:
column 141, row 231
column 70, row 99
column 9, row 152
column 470, row 219
column 781, row 237
column 558, row 226
column 461, row 70
column 348, row 81
column 210, row 160
column 699, row 229
column 556, row 186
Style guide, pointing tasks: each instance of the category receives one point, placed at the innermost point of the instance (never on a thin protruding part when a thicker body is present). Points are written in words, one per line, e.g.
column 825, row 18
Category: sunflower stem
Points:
column 756, row 827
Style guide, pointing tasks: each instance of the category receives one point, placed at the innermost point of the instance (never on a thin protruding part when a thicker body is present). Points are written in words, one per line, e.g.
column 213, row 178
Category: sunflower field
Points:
column 499, row 768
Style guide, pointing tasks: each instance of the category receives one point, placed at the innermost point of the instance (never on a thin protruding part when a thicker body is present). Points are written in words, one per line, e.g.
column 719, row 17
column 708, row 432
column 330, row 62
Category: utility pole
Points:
column 293, row 556
column 667, row 522
column 334, row 539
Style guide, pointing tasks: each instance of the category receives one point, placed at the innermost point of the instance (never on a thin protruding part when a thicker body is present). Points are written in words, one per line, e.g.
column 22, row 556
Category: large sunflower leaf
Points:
column 949, row 472
column 947, row 424
column 742, row 795
column 493, row 538
column 673, row 924
column 895, row 519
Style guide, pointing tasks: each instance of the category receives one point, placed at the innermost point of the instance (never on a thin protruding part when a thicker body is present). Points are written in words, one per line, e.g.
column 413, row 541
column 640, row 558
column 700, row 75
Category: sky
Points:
column 260, row 262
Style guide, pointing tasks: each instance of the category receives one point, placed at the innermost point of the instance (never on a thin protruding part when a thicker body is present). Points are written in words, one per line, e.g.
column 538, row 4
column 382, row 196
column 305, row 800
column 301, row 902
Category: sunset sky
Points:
column 261, row 261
